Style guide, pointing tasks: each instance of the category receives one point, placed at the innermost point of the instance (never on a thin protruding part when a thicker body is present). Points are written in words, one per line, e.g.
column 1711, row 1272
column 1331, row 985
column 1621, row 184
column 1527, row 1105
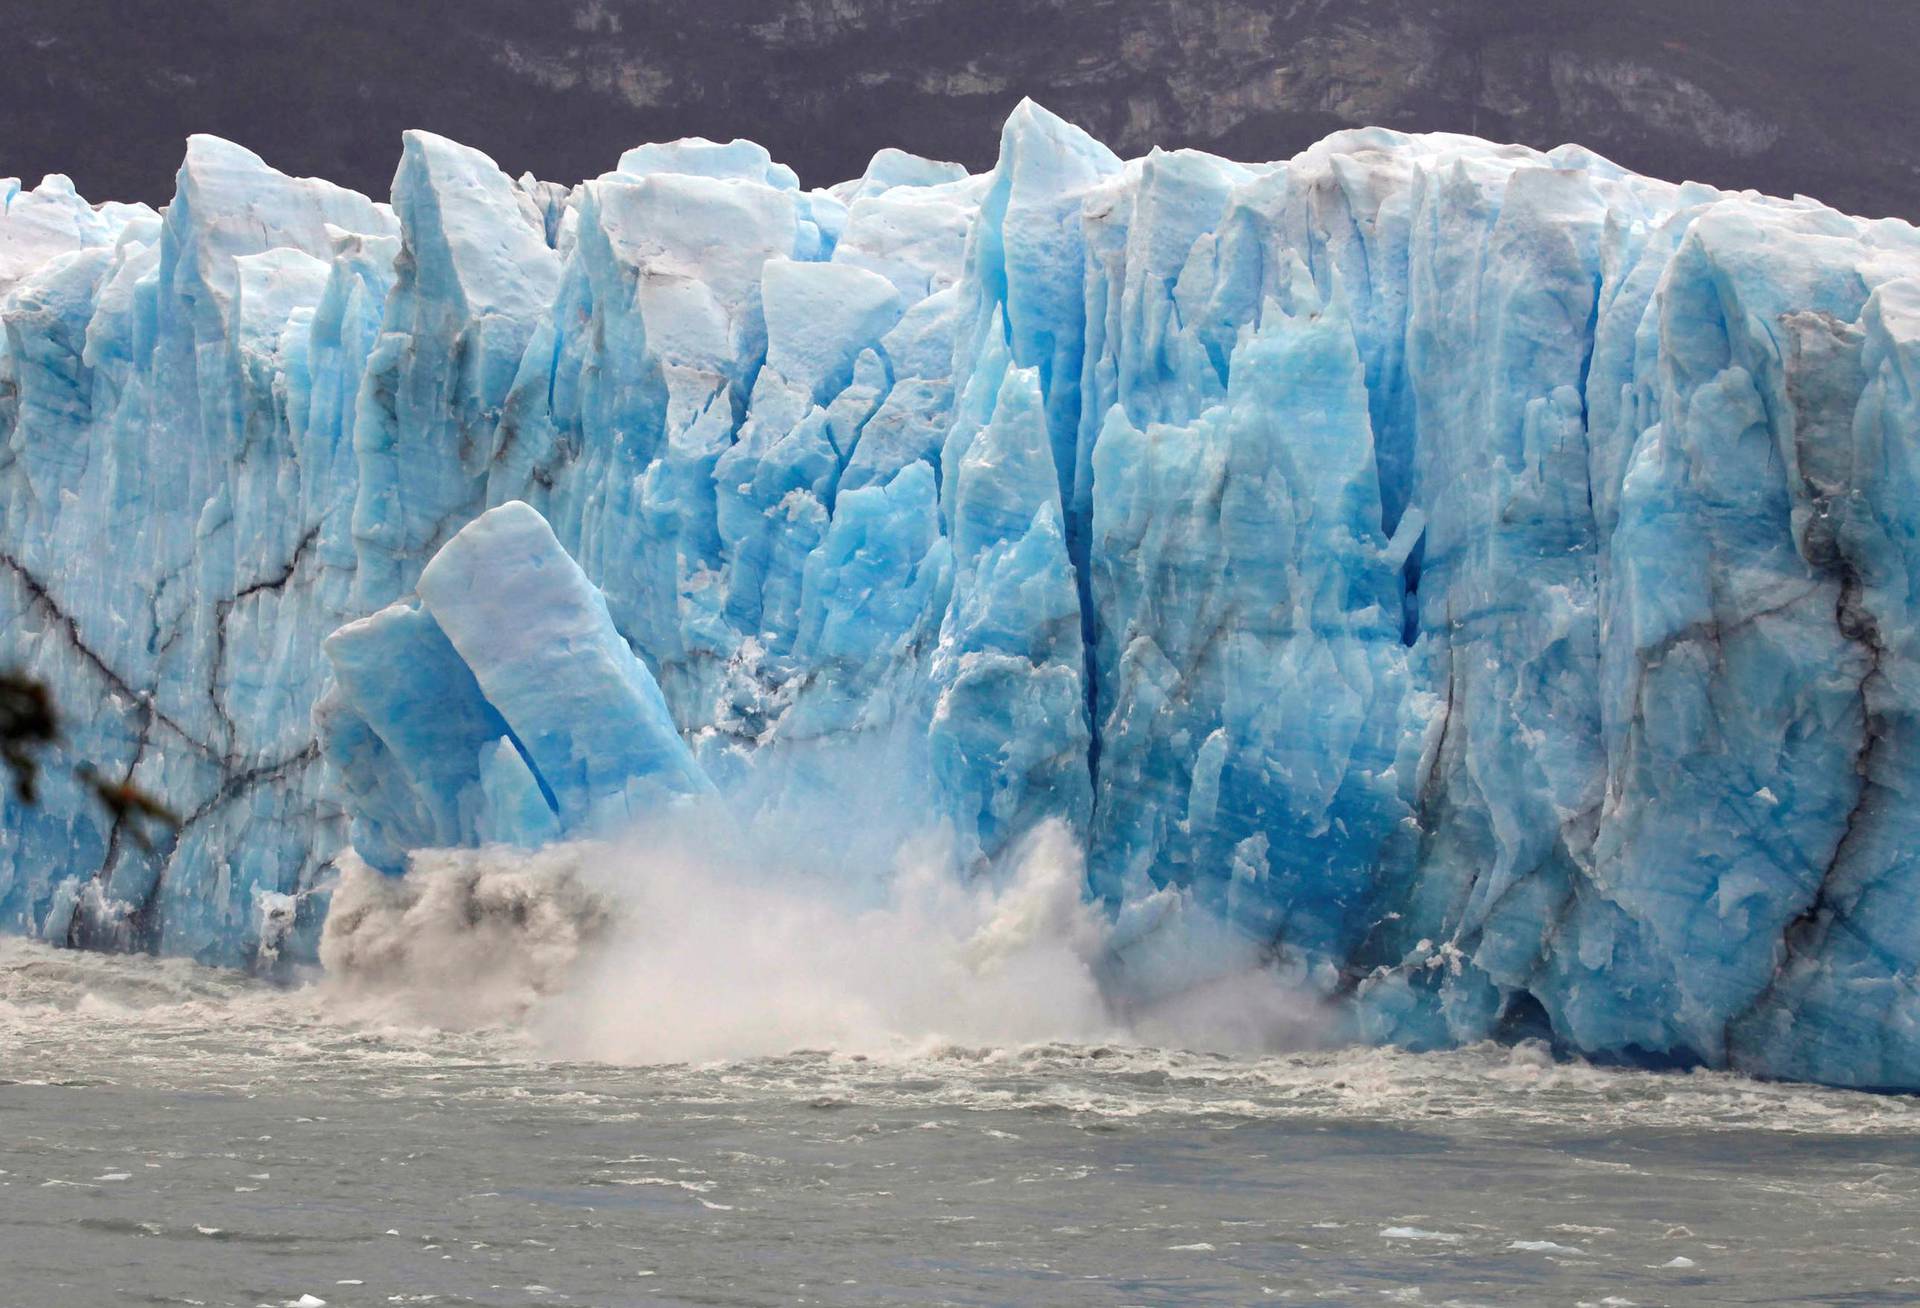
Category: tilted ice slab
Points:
column 1483, row 580
column 500, row 707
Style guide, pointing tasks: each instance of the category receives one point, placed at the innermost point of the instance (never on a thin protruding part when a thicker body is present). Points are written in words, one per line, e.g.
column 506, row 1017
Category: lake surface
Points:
column 173, row 1135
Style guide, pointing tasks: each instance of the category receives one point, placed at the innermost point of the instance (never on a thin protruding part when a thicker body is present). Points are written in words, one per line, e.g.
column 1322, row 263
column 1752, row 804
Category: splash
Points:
column 674, row 945
column 469, row 938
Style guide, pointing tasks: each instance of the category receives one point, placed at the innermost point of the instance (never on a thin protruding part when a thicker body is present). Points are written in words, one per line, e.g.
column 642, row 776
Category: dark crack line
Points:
column 143, row 920
column 216, row 670
column 40, row 596
column 1802, row 934
column 111, row 858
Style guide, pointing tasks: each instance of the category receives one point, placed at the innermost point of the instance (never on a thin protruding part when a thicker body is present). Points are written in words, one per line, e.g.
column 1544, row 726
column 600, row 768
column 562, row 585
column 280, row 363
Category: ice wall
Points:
column 1481, row 579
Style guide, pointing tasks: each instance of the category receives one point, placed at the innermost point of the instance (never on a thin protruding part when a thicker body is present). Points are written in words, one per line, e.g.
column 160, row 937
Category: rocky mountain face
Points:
column 1781, row 95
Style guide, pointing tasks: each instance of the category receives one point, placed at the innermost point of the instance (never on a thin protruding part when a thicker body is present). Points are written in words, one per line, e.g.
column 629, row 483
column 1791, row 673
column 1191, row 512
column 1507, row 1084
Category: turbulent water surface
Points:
column 171, row 1134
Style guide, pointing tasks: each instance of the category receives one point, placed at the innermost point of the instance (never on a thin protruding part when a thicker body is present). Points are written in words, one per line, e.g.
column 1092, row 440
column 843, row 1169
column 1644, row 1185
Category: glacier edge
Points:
column 1483, row 579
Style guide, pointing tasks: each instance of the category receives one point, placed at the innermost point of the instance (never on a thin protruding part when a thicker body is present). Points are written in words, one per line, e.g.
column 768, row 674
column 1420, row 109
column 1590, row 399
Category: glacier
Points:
column 1479, row 581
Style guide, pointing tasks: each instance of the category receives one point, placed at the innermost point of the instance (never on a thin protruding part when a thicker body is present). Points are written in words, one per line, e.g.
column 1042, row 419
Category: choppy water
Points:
column 170, row 1135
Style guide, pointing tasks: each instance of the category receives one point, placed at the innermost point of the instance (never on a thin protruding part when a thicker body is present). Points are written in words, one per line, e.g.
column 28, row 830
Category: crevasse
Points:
column 1482, row 580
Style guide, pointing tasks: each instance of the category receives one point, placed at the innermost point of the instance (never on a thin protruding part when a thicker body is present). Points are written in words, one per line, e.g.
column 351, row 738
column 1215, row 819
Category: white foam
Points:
column 1418, row 1233
column 188, row 1027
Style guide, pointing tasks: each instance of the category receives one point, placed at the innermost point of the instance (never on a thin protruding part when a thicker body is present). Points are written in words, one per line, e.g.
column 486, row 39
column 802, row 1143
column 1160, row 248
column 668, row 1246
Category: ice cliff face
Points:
column 1481, row 581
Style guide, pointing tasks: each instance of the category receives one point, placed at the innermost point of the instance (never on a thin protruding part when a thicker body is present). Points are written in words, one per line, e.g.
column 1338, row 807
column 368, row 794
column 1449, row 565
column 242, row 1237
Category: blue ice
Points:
column 1482, row 582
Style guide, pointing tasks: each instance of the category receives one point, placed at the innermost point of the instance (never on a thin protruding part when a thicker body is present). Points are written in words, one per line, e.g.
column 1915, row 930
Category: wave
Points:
column 74, row 1018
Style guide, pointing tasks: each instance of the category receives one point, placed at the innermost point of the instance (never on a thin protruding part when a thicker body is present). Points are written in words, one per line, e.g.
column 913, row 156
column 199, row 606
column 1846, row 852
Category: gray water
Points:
column 171, row 1135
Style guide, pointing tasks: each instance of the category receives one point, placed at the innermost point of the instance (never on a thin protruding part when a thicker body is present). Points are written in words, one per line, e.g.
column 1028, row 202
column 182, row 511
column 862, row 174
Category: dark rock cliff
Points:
column 1782, row 95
